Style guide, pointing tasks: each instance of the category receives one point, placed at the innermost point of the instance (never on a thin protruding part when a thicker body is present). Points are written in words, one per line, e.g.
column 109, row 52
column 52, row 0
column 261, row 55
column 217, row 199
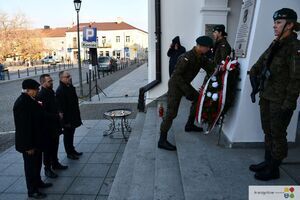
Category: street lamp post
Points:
column 77, row 4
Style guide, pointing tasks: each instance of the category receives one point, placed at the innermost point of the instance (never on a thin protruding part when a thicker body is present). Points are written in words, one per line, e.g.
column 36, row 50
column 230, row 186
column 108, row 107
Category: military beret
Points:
column 204, row 41
column 287, row 13
column 220, row 28
column 30, row 84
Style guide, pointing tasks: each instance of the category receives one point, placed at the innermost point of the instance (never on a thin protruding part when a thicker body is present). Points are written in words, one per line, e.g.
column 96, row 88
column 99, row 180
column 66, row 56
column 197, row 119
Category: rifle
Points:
column 258, row 82
column 266, row 72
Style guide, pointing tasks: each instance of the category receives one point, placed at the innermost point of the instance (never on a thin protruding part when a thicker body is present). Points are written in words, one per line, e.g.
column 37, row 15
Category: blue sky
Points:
column 60, row 13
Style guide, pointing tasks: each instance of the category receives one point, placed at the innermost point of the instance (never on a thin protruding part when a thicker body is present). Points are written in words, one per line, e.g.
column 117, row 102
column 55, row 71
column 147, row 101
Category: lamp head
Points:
column 77, row 4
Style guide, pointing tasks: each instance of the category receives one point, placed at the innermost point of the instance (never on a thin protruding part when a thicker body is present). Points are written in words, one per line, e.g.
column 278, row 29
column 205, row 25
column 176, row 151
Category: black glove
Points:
column 192, row 96
column 255, row 87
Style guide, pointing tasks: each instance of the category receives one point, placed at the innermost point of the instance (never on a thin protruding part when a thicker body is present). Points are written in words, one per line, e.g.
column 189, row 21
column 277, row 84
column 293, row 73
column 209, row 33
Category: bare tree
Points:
column 17, row 40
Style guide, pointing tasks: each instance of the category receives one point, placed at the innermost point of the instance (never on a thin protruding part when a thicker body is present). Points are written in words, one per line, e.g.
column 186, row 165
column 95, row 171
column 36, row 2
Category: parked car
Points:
column 107, row 63
column 50, row 60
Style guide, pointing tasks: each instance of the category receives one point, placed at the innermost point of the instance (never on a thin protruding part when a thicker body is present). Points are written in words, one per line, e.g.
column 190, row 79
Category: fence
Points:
column 29, row 71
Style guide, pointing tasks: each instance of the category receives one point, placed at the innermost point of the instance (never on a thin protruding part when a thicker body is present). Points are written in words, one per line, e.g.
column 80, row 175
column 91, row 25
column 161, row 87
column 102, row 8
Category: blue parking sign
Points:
column 89, row 34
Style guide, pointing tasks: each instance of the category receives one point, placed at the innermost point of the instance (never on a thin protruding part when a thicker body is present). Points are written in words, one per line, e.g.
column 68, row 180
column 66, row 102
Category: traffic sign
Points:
column 89, row 37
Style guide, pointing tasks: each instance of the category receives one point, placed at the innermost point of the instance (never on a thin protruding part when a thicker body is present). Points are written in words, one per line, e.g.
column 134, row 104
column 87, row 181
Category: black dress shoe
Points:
column 72, row 157
column 59, row 166
column 77, row 153
column 49, row 173
column 37, row 195
column 44, row 185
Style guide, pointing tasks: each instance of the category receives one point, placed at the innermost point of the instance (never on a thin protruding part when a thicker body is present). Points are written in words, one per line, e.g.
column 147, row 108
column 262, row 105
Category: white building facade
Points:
column 192, row 18
column 117, row 39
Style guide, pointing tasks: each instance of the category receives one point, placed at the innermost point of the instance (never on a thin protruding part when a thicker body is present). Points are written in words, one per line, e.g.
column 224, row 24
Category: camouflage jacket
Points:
column 221, row 50
column 187, row 68
column 283, row 86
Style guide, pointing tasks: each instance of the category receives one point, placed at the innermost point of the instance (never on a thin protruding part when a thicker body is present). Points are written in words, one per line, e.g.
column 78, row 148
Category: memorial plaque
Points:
column 244, row 28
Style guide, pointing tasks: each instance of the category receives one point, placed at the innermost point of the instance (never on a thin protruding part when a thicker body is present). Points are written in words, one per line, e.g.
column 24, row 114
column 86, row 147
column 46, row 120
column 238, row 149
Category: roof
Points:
column 54, row 32
column 105, row 26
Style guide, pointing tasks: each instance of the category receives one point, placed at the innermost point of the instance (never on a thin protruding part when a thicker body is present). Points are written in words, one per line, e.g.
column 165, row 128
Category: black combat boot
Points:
column 190, row 126
column 164, row 144
column 261, row 166
column 270, row 172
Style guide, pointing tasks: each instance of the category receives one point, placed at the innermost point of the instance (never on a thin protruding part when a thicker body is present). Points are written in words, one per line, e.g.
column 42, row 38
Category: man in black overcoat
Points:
column 52, row 128
column 69, row 107
column 28, row 118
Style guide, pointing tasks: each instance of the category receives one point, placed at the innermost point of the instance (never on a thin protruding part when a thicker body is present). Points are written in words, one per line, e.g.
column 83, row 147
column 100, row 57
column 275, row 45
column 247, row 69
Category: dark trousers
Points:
column 274, row 126
column 50, row 155
column 173, row 102
column 32, row 167
column 69, row 140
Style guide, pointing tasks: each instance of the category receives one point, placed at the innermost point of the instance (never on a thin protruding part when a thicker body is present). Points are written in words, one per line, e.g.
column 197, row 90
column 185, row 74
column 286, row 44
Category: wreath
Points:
column 217, row 95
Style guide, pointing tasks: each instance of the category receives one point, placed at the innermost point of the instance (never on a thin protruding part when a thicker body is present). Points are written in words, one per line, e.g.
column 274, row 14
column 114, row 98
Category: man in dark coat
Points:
column 28, row 117
column 174, row 52
column 187, row 67
column 69, row 107
column 221, row 48
column 52, row 127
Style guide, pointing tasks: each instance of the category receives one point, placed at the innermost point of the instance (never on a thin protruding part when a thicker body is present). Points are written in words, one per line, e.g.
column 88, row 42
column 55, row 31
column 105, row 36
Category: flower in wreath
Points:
column 215, row 97
column 215, row 84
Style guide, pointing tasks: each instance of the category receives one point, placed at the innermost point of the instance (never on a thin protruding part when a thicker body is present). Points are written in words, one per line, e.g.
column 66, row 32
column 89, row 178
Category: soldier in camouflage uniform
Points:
column 187, row 67
column 221, row 48
column 279, row 65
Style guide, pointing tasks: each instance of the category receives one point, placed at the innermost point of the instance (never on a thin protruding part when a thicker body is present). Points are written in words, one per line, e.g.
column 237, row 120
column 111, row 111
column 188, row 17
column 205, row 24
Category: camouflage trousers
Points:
column 173, row 102
column 274, row 125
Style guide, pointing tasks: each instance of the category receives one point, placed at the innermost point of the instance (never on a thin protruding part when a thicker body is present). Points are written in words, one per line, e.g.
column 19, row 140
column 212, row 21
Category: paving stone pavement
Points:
column 90, row 177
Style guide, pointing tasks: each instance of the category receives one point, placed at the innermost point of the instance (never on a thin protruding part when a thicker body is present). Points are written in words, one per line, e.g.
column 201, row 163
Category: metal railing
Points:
column 34, row 70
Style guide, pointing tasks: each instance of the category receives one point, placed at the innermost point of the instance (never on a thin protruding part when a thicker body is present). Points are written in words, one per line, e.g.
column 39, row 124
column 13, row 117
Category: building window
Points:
column 101, row 53
column 103, row 40
column 118, row 39
column 127, row 38
column 74, row 42
column 118, row 54
column 107, row 53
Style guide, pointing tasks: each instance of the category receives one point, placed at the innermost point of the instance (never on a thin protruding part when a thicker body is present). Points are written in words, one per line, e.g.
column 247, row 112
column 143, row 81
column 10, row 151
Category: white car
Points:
column 50, row 60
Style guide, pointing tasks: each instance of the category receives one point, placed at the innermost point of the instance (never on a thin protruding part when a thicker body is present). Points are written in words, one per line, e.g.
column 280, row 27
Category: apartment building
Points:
column 117, row 39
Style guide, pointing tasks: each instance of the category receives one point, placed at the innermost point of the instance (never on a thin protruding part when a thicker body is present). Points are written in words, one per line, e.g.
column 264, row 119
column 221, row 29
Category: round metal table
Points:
column 118, row 122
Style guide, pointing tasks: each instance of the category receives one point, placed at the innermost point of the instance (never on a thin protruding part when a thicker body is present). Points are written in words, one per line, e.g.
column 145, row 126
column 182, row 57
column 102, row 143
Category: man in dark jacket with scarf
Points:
column 174, row 52
column 51, row 126
column 68, row 105
column 28, row 117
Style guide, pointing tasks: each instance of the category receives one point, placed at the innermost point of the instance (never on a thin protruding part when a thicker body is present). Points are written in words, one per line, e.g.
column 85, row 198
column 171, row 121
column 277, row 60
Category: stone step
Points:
column 123, row 178
column 142, row 185
column 168, row 185
column 210, row 171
